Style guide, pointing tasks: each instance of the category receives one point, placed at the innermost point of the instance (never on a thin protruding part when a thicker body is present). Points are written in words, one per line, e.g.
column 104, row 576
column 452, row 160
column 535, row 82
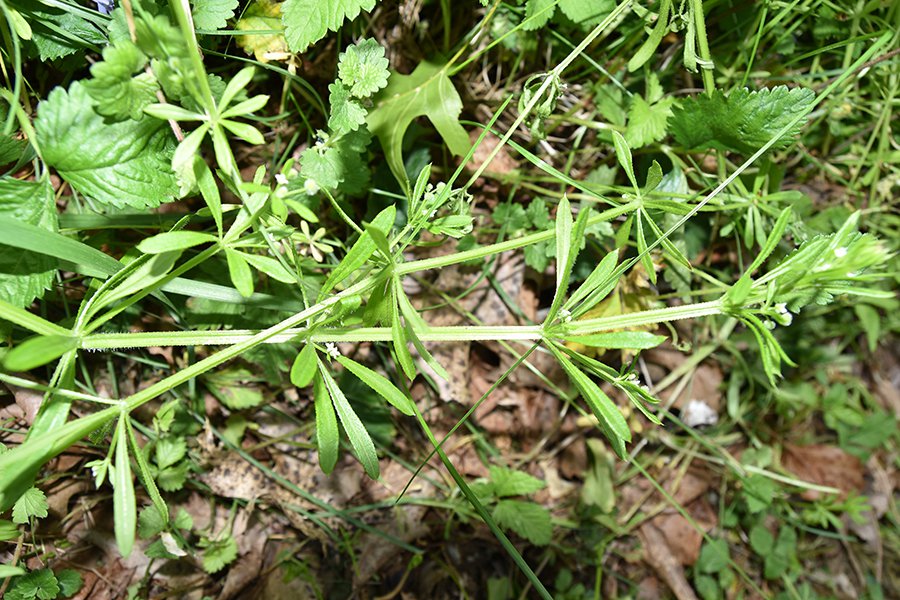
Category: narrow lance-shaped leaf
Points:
column 380, row 385
column 328, row 436
column 356, row 431
column 598, row 277
column 360, row 252
column 146, row 476
column 239, row 272
column 615, row 340
column 124, row 501
column 304, row 367
column 37, row 351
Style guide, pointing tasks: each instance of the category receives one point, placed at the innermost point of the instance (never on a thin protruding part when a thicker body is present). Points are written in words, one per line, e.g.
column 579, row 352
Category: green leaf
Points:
column 632, row 340
column 239, row 272
column 124, row 501
column 759, row 492
column 173, row 241
column 538, row 13
column 8, row 530
column 70, row 582
column 598, row 277
column 347, row 114
column 508, row 482
column 360, row 252
column 612, row 423
column 783, row 554
column 121, row 164
column 150, row 522
column 60, row 32
column 743, row 122
column 356, row 431
column 114, row 89
column 529, row 520
column 427, row 92
column 10, row 571
column 623, row 154
column 218, row 554
column 211, row 15
column 587, row 12
column 26, row 274
column 713, row 556
column 645, row 52
column 145, row 474
column 40, row 584
column 761, row 540
column 232, row 388
column 37, row 351
column 33, row 503
column 262, row 15
column 380, row 384
column 304, row 367
column 152, row 269
column 169, row 450
column 327, row 435
column 363, row 68
column 307, row 21
column 647, row 122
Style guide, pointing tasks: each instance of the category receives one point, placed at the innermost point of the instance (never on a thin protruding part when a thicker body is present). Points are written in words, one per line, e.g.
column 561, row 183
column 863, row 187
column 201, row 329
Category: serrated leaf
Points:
column 218, row 554
column 70, row 582
column 33, row 503
column 347, row 114
column 262, row 15
column 507, row 482
column 58, row 32
column 211, row 15
column 169, row 450
column 743, row 122
column 426, row 92
column 25, row 275
column 114, row 89
column 587, row 12
column 647, row 122
column 538, row 13
column 363, row 68
column 122, row 164
column 529, row 520
column 150, row 522
column 307, row 21
column 41, row 584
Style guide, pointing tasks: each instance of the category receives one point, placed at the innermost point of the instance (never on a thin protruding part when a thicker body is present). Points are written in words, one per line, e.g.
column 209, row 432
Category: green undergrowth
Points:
column 213, row 215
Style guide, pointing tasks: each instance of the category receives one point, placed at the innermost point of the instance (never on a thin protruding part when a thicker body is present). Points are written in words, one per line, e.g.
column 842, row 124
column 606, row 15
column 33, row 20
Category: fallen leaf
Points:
column 824, row 465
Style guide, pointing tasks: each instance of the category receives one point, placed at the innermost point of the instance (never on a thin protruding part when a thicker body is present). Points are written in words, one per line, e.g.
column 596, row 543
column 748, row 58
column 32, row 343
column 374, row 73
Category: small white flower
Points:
column 564, row 315
column 281, row 179
column 769, row 324
column 781, row 307
column 332, row 350
column 840, row 252
column 311, row 187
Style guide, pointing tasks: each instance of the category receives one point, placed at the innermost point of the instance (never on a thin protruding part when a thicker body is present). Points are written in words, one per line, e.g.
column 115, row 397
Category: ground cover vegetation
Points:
column 429, row 299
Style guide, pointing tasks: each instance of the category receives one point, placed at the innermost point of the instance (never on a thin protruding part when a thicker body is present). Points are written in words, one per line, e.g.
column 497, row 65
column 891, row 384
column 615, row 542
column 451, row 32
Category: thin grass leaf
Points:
column 353, row 426
column 772, row 241
column 597, row 278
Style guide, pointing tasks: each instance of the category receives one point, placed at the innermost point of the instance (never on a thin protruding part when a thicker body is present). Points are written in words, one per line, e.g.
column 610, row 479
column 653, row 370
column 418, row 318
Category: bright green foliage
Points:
column 231, row 387
column 121, row 164
column 25, row 275
column 115, row 92
column 647, row 122
column 428, row 92
column 507, row 482
column 210, row 15
column 363, row 68
column 713, row 556
column 742, row 122
column 218, row 554
column 346, row 113
column 307, row 21
column 262, row 15
column 338, row 163
column 57, row 32
column 40, row 585
column 70, row 582
column 583, row 12
column 528, row 519
column 150, row 522
column 31, row 504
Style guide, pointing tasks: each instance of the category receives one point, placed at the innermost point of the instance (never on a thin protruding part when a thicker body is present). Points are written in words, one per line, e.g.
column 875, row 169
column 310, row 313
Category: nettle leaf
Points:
column 57, row 33
column 507, row 482
column 41, row 584
column 541, row 11
column 743, row 122
column 340, row 164
column 262, row 15
column 587, row 12
column 114, row 91
column 25, row 275
column 530, row 520
column 122, row 164
column 647, row 122
column 307, row 21
column 347, row 114
column 426, row 92
column 363, row 68
column 211, row 15
column 219, row 553
column 33, row 503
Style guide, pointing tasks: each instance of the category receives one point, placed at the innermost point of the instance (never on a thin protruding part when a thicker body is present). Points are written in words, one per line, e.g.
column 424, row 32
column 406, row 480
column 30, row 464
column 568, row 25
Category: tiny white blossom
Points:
column 281, row 179
column 332, row 350
column 311, row 187
column 781, row 307
column 564, row 315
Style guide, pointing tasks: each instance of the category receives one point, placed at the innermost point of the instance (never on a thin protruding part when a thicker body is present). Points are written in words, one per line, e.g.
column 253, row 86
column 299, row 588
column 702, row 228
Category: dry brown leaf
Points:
column 667, row 566
column 824, row 465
